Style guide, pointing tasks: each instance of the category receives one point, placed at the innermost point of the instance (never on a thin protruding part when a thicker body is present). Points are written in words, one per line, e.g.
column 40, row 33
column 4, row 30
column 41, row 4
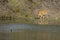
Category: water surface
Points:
column 14, row 27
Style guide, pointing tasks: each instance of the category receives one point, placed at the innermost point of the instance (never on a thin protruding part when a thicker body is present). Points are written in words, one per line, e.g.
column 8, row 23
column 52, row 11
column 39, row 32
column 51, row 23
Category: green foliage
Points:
column 22, row 12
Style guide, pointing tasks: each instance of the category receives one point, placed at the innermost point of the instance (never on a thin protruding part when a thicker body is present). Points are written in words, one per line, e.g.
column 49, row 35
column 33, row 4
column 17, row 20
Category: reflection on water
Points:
column 30, row 35
column 17, row 27
column 29, row 32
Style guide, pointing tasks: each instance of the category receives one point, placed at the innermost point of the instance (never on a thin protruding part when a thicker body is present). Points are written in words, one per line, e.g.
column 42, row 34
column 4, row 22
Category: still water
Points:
column 33, row 27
